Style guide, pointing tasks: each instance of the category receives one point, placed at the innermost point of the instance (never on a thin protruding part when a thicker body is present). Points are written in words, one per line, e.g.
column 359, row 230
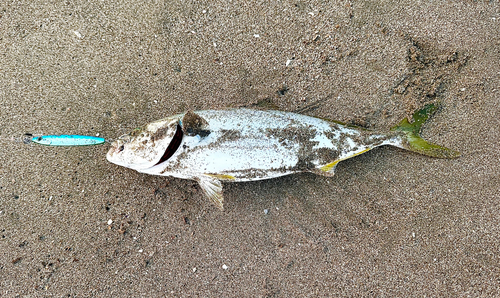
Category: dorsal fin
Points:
column 313, row 105
column 193, row 124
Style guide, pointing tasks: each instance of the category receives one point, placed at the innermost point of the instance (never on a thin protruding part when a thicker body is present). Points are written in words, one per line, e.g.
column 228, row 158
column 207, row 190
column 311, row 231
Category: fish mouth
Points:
column 116, row 147
column 173, row 146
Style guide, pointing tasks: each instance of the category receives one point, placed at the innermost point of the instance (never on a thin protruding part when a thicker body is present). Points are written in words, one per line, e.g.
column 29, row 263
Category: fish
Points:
column 235, row 145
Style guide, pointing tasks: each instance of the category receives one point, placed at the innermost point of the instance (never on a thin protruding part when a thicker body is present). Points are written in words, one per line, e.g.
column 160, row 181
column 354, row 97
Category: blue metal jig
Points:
column 68, row 140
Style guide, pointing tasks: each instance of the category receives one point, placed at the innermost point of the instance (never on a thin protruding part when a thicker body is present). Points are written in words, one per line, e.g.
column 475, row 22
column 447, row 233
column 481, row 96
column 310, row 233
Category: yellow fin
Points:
column 329, row 167
column 221, row 176
column 413, row 141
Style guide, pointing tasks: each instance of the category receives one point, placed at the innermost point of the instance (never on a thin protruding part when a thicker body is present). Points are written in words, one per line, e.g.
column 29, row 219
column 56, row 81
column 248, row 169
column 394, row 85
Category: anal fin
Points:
column 327, row 173
column 212, row 187
column 329, row 169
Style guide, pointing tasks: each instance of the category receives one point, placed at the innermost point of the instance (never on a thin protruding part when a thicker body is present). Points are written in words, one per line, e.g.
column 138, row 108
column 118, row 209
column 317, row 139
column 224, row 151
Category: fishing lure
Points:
column 67, row 140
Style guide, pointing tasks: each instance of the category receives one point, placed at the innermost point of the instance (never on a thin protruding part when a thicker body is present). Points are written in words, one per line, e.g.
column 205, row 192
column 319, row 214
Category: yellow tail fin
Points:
column 411, row 137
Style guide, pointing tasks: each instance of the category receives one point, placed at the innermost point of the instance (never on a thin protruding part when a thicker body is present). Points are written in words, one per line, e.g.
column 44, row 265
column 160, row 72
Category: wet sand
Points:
column 391, row 223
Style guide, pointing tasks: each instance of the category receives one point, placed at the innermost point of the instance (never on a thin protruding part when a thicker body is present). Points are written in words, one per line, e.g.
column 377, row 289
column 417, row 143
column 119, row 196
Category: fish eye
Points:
column 122, row 147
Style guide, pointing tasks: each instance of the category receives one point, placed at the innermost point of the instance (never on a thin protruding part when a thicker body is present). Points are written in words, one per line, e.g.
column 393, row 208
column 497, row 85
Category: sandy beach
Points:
column 390, row 223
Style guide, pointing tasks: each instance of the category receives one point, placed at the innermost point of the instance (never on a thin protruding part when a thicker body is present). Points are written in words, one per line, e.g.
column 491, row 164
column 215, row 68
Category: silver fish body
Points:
column 243, row 145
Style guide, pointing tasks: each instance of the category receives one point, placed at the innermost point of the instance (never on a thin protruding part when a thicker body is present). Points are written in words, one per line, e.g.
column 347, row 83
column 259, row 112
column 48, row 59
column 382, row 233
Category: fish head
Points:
column 148, row 146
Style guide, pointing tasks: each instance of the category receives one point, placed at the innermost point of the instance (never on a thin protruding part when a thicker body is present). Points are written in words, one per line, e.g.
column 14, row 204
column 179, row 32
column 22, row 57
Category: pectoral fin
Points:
column 212, row 188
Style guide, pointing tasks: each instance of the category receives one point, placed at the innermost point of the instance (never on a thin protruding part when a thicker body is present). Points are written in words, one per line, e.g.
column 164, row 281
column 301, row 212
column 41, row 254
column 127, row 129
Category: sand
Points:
column 391, row 223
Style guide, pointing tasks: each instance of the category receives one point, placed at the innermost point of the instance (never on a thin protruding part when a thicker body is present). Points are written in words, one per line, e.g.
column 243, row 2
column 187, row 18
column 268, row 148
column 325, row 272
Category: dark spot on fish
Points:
column 161, row 133
column 326, row 155
column 193, row 125
column 331, row 135
column 305, row 163
column 173, row 146
column 122, row 147
column 230, row 135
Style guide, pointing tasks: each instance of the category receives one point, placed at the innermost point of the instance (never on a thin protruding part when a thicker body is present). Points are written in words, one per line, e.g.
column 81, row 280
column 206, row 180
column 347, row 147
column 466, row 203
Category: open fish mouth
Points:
column 173, row 146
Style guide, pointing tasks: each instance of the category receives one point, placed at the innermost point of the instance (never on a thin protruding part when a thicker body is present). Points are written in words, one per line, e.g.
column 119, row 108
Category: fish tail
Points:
column 411, row 139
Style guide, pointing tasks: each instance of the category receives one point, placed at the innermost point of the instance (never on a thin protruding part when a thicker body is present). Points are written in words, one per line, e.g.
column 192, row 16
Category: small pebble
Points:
column 224, row 267
column 266, row 211
column 110, row 222
column 194, row 269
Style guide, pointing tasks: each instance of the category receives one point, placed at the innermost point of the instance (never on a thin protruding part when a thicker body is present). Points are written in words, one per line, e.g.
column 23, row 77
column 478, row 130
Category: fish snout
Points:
column 116, row 147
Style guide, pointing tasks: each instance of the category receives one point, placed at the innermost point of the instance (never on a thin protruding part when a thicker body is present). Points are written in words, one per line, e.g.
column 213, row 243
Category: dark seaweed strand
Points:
column 173, row 146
